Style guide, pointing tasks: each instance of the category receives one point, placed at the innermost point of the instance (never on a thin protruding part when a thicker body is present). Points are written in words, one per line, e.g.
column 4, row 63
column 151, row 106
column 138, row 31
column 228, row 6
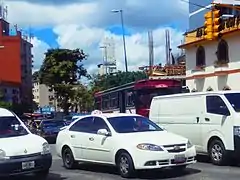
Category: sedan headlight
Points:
column 189, row 144
column 46, row 148
column 149, row 147
column 2, row 154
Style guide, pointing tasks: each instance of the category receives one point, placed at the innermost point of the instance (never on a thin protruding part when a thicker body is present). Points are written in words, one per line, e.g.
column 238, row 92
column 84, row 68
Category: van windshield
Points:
column 11, row 127
column 234, row 100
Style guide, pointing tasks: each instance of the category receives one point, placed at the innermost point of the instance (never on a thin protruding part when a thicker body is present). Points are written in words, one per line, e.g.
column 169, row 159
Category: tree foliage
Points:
column 109, row 81
column 61, row 71
column 83, row 99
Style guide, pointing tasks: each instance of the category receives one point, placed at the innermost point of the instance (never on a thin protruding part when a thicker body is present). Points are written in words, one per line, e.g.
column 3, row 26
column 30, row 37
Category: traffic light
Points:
column 208, row 25
column 216, row 23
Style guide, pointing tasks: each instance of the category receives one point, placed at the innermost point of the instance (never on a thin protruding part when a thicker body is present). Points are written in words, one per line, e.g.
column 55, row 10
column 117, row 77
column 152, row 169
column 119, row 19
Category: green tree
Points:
column 61, row 71
column 83, row 99
column 109, row 81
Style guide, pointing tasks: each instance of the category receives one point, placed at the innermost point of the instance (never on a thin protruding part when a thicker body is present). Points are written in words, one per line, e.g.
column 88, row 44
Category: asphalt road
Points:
column 198, row 171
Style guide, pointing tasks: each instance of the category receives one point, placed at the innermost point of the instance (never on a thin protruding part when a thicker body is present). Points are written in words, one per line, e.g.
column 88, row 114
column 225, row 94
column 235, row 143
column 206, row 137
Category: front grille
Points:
column 175, row 148
column 25, row 156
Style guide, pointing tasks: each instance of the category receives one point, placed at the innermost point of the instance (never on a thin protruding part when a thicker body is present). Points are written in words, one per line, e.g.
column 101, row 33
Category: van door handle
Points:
column 207, row 119
column 91, row 139
column 197, row 119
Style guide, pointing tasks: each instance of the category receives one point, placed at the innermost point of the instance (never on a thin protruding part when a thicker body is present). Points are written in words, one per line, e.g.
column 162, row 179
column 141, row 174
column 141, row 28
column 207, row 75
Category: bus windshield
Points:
column 144, row 97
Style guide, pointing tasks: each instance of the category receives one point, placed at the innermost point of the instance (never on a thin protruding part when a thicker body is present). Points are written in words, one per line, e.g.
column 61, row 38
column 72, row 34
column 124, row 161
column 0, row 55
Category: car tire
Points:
column 42, row 175
column 218, row 153
column 125, row 165
column 68, row 159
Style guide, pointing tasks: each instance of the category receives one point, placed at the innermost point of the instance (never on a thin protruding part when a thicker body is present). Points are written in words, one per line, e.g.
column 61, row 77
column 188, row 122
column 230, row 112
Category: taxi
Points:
column 21, row 152
column 128, row 141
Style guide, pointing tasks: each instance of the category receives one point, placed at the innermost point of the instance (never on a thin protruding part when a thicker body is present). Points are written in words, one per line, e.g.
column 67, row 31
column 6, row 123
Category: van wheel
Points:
column 68, row 159
column 218, row 153
column 125, row 165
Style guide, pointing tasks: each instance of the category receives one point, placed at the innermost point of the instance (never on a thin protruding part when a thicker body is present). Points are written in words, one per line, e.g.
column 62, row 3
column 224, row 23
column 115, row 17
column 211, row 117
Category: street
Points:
column 199, row 171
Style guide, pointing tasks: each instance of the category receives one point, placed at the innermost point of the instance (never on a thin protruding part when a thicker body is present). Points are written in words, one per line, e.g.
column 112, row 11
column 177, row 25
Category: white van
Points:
column 21, row 152
column 210, row 120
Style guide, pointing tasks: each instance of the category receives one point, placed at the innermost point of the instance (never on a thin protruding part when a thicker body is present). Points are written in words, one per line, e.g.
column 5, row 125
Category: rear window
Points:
column 53, row 123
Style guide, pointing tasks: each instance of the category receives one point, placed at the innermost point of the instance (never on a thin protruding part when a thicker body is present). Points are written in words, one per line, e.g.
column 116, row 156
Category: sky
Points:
column 85, row 24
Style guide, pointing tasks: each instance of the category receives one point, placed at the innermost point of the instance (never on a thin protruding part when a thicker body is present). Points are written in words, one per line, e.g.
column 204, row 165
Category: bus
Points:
column 136, row 97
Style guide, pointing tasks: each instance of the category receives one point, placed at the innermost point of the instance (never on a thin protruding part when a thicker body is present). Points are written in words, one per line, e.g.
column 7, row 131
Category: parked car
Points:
column 129, row 142
column 50, row 128
column 210, row 120
column 21, row 152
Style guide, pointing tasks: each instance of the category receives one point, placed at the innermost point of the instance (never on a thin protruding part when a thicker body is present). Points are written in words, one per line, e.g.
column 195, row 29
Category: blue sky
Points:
column 86, row 23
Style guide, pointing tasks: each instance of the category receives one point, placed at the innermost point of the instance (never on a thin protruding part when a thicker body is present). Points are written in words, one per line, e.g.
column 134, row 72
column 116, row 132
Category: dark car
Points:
column 49, row 129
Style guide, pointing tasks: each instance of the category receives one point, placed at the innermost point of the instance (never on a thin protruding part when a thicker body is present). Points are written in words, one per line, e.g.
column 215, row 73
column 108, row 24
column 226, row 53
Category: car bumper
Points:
column 50, row 137
column 163, row 159
column 13, row 167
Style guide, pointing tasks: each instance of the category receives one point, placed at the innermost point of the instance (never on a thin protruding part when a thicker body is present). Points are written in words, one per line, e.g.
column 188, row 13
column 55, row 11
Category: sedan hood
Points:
column 156, row 137
column 22, row 145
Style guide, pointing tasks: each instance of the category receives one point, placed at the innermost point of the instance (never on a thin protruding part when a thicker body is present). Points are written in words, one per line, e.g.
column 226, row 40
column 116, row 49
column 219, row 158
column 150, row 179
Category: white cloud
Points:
column 90, row 39
column 138, row 14
column 39, row 48
column 81, row 25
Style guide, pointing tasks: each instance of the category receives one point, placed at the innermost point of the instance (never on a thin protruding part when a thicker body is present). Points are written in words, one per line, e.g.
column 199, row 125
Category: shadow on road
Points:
column 51, row 176
column 149, row 174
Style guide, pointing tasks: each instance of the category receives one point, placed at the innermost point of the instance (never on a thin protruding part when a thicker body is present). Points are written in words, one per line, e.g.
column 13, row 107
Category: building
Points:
column 109, row 64
column 213, row 64
column 43, row 95
column 197, row 9
column 15, row 65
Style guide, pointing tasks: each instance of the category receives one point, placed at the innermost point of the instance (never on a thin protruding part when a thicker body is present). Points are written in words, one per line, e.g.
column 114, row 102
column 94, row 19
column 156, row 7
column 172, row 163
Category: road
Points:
column 199, row 171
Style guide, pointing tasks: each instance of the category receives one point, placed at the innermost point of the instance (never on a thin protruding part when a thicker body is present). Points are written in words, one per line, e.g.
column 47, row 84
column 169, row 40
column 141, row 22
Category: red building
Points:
column 15, row 65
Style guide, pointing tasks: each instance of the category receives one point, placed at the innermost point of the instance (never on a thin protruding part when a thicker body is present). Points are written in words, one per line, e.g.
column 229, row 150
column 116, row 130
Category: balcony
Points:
column 221, row 67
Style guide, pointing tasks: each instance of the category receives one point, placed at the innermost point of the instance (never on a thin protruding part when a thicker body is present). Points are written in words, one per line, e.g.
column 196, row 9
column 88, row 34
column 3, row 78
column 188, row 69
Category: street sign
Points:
column 230, row 2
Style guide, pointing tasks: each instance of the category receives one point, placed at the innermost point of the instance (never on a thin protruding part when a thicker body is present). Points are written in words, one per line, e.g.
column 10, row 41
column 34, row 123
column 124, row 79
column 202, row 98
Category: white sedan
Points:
column 130, row 142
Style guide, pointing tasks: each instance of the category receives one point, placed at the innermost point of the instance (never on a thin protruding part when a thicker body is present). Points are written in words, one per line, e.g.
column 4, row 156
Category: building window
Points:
column 222, row 52
column 200, row 57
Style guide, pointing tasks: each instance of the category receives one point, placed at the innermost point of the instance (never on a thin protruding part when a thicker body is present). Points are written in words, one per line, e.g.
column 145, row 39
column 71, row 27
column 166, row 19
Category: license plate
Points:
column 179, row 158
column 28, row 165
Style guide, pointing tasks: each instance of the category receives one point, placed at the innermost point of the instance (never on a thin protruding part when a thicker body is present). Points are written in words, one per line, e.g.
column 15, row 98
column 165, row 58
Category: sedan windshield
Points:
column 130, row 124
column 11, row 127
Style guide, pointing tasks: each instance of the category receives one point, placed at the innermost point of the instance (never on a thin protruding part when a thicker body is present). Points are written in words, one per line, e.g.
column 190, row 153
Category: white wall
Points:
column 216, row 82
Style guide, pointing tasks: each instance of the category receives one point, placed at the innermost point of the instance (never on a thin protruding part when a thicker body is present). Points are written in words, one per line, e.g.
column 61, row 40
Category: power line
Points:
column 198, row 5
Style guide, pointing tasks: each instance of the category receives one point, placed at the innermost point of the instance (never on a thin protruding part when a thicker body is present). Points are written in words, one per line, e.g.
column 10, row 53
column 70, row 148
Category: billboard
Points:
column 231, row 2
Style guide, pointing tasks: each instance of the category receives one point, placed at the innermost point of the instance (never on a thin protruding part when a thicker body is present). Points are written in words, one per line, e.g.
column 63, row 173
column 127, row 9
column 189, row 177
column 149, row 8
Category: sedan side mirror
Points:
column 103, row 132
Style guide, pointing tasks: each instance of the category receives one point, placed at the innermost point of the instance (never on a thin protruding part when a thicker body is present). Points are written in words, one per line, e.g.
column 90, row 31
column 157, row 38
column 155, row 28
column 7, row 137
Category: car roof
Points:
column 5, row 112
column 110, row 115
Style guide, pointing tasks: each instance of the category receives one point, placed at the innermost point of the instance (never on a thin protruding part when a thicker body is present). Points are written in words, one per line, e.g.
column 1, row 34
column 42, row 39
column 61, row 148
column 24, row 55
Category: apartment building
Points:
column 43, row 95
column 15, row 65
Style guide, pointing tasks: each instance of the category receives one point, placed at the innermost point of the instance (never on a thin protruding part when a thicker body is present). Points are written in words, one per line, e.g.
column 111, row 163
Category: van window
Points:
column 215, row 105
column 234, row 100
column 10, row 126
